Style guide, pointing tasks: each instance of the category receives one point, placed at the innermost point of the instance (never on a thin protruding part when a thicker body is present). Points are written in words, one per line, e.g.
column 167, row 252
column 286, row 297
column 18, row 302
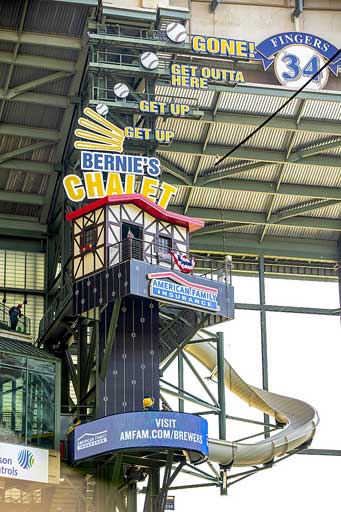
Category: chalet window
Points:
column 165, row 245
column 89, row 237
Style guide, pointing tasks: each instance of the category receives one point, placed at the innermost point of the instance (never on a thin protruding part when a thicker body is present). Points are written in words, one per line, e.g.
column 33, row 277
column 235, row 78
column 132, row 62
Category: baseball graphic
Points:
column 121, row 90
column 102, row 109
column 176, row 32
column 149, row 60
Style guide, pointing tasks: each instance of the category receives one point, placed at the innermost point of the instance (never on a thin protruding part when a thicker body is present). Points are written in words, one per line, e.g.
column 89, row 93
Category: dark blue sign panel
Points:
column 272, row 45
column 137, row 430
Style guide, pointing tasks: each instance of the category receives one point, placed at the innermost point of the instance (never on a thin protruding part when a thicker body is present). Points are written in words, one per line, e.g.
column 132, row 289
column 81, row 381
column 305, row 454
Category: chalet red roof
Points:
column 143, row 203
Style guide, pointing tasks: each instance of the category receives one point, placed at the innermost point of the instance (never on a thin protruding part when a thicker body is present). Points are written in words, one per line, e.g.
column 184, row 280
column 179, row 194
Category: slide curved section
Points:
column 299, row 417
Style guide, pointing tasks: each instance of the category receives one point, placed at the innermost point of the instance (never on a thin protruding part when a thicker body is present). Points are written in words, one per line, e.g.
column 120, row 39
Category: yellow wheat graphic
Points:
column 106, row 135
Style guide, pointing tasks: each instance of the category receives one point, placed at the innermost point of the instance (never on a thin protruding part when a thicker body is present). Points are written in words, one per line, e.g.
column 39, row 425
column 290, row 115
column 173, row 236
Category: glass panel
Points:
column 41, row 366
column 22, row 270
column 285, row 292
column 304, row 354
column 34, row 309
column 12, row 360
column 12, row 404
column 41, row 415
column 246, row 289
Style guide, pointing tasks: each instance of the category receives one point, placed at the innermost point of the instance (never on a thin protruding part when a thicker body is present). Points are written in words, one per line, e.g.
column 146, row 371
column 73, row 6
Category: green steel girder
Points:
column 49, row 100
column 29, row 131
column 305, row 153
column 124, row 69
column 33, row 61
column 279, row 92
column 17, row 225
column 280, row 123
column 12, row 36
column 205, row 179
column 138, row 42
column 20, row 151
column 137, row 15
column 274, row 247
column 28, row 165
column 258, row 155
column 287, row 309
column 211, row 214
column 21, row 198
column 263, row 187
column 175, row 171
column 32, row 84
column 298, row 210
column 210, row 116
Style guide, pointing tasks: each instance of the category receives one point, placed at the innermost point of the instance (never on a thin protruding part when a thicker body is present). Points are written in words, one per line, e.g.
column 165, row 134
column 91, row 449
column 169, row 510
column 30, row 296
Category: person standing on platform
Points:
column 14, row 315
column 148, row 403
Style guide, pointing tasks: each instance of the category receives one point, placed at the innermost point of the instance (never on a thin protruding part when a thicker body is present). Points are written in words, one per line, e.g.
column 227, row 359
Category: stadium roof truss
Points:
column 43, row 53
column 278, row 195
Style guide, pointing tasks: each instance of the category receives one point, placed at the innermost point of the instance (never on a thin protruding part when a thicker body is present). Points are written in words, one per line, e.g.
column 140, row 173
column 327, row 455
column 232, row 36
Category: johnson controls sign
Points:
column 141, row 430
column 24, row 462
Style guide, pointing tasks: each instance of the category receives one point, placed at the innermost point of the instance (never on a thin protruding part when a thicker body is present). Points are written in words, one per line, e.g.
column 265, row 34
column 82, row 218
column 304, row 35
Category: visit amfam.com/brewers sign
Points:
column 24, row 462
column 141, row 430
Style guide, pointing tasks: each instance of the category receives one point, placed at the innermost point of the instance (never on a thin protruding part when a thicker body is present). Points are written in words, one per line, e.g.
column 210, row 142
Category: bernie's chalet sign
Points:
column 106, row 171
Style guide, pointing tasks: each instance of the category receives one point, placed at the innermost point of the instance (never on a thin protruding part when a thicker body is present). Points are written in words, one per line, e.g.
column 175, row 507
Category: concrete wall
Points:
column 253, row 20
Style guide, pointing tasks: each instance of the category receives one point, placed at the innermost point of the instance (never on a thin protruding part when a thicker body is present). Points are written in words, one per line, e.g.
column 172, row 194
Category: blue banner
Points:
column 266, row 50
column 140, row 430
column 174, row 288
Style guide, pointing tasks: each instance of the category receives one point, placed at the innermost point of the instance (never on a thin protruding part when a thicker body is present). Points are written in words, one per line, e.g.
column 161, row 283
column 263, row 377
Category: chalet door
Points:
column 132, row 242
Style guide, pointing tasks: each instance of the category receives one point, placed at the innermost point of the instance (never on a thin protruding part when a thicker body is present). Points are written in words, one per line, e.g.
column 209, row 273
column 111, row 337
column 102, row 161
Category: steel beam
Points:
column 221, row 385
column 21, row 198
column 32, row 84
column 34, row 61
column 28, row 165
column 305, row 153
column 264, row 187
column 298, row 210
column 175, row 171
column 18, row 225
column 213, row 214
column 258, row 155
column 288, row 309
column 263, row 331
column 275, row 247
column 218, row 176
column 232, row 118
column 49, row 100
column 29, row 131
column 12, row 36
column 22, row 150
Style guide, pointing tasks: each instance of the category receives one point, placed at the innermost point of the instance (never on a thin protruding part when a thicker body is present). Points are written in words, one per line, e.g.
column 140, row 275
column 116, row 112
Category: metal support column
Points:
column 221, row 385
column 265, row 379
column 222, row 404
column 181, row 380
column 132, row 497
column 339, row 270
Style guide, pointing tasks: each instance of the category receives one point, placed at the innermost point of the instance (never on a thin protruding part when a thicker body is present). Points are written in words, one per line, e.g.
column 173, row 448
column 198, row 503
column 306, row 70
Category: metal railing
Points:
column 155, row 254
column 103, row 56
column 130, row 32
column 24, row 323
column 59, row 302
